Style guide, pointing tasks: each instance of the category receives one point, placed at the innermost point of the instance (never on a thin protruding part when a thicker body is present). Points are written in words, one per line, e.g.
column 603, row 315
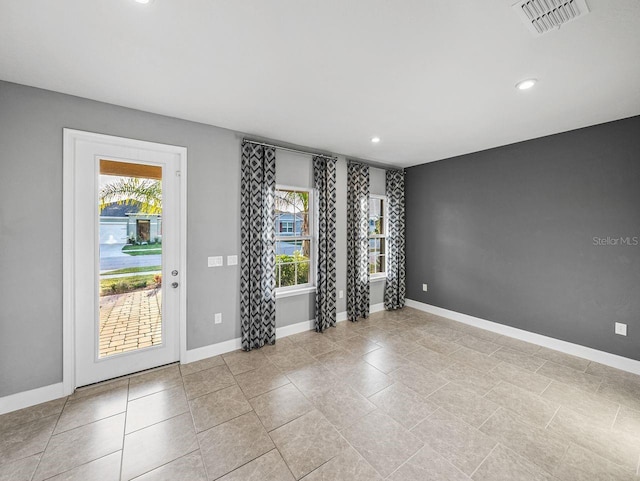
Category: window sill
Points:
column 378, row 278
column 295, row 292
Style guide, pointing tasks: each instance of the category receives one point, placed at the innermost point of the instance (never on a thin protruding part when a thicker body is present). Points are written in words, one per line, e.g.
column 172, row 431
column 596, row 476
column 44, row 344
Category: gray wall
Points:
column 508, row 235
column 31, row 123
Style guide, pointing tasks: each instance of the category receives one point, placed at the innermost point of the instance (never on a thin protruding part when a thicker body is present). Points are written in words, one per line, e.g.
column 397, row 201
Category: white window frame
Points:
column 385, row 216
column 309, row 286
column 289, row 224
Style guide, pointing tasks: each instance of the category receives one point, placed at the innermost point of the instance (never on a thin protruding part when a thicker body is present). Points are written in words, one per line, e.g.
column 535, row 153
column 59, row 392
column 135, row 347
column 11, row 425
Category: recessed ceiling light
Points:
column 526, row 84
column 375, row 140
column 144, row 2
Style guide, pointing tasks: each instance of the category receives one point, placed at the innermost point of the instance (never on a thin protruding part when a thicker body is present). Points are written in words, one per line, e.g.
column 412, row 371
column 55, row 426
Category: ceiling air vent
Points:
column 542, row 16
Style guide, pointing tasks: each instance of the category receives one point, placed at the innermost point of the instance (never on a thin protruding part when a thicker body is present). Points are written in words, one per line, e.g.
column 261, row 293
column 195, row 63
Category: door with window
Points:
column 126, row 282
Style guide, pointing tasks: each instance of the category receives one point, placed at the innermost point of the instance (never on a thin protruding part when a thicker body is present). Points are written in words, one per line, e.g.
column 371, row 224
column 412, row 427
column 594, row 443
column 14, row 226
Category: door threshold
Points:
column 126, row 376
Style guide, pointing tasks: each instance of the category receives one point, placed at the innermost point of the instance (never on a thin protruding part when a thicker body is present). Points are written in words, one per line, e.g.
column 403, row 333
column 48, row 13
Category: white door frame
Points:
column 70, row 139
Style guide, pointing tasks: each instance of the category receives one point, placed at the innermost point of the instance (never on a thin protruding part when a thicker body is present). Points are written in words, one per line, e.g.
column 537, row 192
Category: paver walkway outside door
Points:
column 130, row 321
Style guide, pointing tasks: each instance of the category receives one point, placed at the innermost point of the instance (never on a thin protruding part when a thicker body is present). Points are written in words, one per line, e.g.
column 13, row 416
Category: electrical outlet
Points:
column 232, row 260
column 340, row 294
column 424, row 287
column 621, row 329
column 218, row 318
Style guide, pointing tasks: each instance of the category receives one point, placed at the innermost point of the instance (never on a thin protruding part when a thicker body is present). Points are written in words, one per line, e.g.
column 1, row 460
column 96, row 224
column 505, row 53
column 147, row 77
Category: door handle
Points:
column 174, row 284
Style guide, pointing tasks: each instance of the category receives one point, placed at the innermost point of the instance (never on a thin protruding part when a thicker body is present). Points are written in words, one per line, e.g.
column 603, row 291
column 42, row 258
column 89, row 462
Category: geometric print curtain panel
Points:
column 324, row 179
column 394, row 289
column 257, row 238
column 357, row 241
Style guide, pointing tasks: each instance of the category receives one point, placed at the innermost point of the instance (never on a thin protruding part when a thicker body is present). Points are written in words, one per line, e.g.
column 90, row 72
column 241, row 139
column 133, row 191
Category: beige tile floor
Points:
column 403, row 396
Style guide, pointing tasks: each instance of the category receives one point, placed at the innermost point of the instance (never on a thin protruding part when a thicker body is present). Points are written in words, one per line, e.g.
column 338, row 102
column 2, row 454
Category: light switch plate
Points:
column 232, row 260
column 218, row 318
column 424, row 287
column 340, row 294
column 214, row 261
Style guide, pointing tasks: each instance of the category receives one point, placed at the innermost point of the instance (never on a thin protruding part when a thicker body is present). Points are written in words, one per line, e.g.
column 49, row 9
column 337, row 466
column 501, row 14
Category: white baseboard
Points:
column 211, row 350
column 193, row 355
column 342, row 316
column 376, row 307
column 54, row 391
column 292, row 329
column 606, row 358
column 26, row 399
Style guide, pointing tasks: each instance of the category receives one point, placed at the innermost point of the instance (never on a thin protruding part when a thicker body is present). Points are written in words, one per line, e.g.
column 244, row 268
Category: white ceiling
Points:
column 433, row 79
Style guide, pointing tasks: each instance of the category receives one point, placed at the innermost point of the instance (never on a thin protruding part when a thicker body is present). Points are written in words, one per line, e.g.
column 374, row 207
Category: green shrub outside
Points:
column 286, row 269
column 127, row 284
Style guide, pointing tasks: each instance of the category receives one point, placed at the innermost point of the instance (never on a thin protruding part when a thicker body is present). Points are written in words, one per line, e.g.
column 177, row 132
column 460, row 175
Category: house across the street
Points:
column 118, row 225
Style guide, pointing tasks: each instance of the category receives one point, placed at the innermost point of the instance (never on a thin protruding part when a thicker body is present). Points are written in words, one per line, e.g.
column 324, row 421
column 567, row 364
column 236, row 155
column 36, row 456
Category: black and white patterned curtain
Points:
column 357, row 241
column 324, row 179
column 394, row 289
column 257, row 236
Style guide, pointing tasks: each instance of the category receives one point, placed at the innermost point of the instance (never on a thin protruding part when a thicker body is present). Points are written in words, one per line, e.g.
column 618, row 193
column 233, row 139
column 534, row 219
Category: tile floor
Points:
column 402, row 396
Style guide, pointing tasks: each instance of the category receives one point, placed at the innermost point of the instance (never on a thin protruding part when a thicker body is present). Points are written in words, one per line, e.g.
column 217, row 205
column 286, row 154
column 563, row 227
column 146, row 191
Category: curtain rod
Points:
column 288, row 149
column 399, row 169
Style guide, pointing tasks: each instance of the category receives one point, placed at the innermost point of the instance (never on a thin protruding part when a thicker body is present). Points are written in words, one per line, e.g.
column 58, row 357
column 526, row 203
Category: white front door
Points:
column 125, row 240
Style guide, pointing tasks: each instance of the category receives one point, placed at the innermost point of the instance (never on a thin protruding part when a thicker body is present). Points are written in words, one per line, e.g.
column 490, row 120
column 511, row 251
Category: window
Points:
column 294, row 238
column 377, row 235
column 286, row 227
